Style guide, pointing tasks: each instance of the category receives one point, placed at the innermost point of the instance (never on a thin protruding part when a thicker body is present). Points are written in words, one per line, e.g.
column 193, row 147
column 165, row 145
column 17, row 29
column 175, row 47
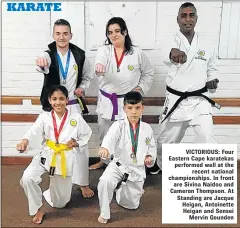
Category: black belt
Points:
column 124, row 178
column 184, row 95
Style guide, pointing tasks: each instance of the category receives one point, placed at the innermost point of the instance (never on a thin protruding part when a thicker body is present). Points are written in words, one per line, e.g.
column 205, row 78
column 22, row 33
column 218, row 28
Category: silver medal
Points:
column 64, row 82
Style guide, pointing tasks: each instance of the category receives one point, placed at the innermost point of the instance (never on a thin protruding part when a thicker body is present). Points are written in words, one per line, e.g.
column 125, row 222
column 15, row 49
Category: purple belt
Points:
column 71, row 102
column 113, row 98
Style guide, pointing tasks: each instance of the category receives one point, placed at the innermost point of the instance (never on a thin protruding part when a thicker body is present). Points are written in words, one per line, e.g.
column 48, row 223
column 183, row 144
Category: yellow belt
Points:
column 59, row 149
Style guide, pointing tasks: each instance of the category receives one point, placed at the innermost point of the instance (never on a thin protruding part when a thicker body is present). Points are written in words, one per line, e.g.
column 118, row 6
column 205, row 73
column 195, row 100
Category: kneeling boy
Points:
column 132, row 144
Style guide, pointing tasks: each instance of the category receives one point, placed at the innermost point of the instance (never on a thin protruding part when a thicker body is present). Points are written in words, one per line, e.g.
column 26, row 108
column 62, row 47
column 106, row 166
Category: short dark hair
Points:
column 186, row 5
column 122, row 24
column 58, row 88
column 62, row 22
column 133, row 97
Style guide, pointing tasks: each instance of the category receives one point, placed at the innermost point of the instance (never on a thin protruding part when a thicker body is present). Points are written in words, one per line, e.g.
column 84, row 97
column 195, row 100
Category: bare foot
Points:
column 87, row 192
column 102, row 220
column 38, row 217
column 98, row 165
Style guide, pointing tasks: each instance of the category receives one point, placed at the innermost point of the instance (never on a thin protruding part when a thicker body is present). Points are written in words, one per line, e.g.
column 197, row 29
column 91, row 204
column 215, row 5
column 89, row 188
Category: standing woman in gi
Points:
column 120, row 68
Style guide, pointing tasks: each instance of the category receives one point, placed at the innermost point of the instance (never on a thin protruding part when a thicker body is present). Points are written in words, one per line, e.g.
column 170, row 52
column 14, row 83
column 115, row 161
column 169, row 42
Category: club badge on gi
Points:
column 33, row 6
column 75, row 67
column 201, row 54
column 130, row 67
column 73, row 122
column 147, row 141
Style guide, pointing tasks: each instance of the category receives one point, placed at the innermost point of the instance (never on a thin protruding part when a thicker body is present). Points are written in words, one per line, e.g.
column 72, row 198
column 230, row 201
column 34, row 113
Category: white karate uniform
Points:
column 81, row 163
column 199, row 68
column 118, row 142
column 135, row 71
column 60, row 188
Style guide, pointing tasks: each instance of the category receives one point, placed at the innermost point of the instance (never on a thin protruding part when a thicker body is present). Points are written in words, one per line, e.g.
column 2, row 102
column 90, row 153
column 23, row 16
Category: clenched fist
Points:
column 72, row 143
column 148, row 160
column 100, row 69
column 138, row 89
column 79, row 92
column 213, row 84
column 42, row 62
column 178, row 56
column 21, row 147
column 103, row 153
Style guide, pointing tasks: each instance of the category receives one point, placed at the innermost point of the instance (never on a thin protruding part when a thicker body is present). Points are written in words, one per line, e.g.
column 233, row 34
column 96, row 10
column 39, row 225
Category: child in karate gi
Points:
column 132, row 144
column 63, row 134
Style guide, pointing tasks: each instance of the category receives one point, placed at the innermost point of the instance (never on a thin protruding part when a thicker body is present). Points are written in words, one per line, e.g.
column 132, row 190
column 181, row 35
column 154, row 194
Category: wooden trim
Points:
column 228, row 102
column 10, row 117
column 148, row 101
column 18, row 160
column 153, row 119
column 11, row 100
column 15, row 160
column 226, row 120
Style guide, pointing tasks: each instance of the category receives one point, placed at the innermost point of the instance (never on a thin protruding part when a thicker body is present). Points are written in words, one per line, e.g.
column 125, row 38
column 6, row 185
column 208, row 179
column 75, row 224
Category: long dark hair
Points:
column 122, row 24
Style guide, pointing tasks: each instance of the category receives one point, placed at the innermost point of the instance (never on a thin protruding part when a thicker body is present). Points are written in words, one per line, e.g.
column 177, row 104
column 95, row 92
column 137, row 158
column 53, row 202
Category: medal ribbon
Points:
column 119, row 61
column 64, row 73
column 58, row 131
column 134, row 137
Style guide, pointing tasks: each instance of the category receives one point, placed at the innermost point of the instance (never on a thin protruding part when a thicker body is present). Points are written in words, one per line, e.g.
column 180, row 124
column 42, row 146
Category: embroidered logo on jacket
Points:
column 147, row 141
column 73, row 123
column 201, row 54
column 75, row 67
column 130, row 67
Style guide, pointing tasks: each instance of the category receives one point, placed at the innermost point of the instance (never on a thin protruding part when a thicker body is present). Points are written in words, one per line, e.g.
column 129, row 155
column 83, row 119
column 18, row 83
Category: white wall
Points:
column 26, row 35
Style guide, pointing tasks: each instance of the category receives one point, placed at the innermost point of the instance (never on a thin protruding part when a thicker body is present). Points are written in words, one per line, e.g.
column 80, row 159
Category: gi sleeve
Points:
column 87, row 75
column 212, row 71
column 112, row 137
column 152, row 149
column 168, row 44
column 102, row 56
column 84, row 132
column 36, row 129
column 147, row 73
column 45, row 70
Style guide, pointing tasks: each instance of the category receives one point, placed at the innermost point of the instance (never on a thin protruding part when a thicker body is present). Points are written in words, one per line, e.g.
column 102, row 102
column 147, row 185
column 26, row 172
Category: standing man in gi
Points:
column 65, row 64
column 192, row 72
